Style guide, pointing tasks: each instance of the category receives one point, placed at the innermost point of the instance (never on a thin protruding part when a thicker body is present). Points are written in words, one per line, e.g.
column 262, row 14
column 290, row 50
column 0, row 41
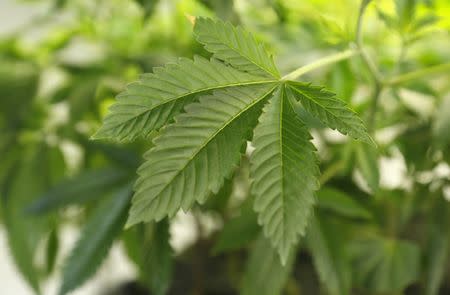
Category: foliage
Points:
column 233, row 134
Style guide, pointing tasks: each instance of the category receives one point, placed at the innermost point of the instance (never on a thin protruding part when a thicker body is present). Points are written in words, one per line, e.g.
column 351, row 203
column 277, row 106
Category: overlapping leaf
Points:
column 156, row 98
column 332, row 111
column 235, row 46
column 284, row 168
column 193, row 156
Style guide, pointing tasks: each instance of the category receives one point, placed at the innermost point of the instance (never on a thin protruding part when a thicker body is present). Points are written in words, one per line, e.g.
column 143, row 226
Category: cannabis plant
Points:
column 206, row 111
column 279, row 202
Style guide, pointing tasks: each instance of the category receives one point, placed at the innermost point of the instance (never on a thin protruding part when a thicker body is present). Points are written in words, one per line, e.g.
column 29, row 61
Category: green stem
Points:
column 327, row 60
column 418, row 74
column 359, row 43
column 373, row 109
column 373, row 69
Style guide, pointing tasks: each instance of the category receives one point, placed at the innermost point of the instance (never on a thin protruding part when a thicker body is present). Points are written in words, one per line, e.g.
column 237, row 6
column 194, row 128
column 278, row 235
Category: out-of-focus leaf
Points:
column 86, row 186
column 438, row 247
column 239, row 231
column 96, row 239
column 366, row 161
column 405, row 12
column 52, row 249
column 265, row 275
column 25, row 232
column 341, row 203
column 18, row 84
column 385, row 265
column 157, row 263
column 219, row 200
column 331, row 261
column 441, row 126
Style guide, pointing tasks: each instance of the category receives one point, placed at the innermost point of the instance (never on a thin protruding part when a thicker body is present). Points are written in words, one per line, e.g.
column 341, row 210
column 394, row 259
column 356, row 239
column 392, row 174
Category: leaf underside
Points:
column 284, row 169
column 192, row 156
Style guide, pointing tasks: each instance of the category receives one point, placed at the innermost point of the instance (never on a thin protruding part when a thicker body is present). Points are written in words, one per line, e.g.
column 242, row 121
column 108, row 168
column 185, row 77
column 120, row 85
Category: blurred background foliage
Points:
column 381, row 226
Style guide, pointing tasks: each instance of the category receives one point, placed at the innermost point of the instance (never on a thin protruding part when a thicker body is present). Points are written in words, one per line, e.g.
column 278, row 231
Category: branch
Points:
column 327, row 60
column 359, row 43
column 418, row 74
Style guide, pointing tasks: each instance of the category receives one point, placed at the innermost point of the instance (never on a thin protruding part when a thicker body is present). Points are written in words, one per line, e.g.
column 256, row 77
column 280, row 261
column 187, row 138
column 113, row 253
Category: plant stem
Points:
column 373, row 109
column 327, row 60
column 359, row 44
column 376, row 75
column 418, row 74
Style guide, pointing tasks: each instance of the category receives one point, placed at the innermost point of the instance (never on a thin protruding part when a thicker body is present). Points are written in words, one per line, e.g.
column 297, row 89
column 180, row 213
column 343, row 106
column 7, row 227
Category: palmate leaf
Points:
column 235, row 46
column 156, row 98
column 385, row 265
column 333, row 112
column 192, row 156
column 96, row 239
column 285, row 170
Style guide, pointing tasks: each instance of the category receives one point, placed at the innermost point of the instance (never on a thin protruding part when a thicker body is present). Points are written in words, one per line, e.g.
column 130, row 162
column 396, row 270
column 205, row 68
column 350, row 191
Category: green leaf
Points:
column 284, row 168
column 97, row 237
column 329, row 255
column 367, row 162
column 385, row 265
column 332, row 111
column 341, row 203
column 52, row 249
column 192, row 156
column 235, row 46
column 441, row 124
column 156, row 98
column 265, row 275
column 19, row 189
column 438, row 247
column 239, row 231
column 157, row 264
column 86, row 186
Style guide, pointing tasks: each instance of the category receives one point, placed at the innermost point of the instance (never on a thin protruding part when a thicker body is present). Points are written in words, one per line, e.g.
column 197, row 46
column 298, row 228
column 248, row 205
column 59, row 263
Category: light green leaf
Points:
column 284, row 168
column 385, row 265
column 341, row 203
column 264, row 274
column 329, row 256
column 332, row 111
column 235, row 46
column 156, row 98
column 192, row 156
column 97, row 236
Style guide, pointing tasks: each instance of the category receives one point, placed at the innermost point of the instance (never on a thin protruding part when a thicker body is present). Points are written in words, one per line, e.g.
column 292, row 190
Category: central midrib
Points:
column 152, row 107
column 201, row 147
